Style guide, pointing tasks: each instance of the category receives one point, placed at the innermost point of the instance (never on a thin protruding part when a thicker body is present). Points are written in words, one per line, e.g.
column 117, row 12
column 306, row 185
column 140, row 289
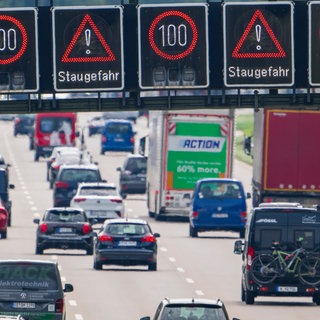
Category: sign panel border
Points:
column 258, row 3
column 176, row 5
column 79, row 9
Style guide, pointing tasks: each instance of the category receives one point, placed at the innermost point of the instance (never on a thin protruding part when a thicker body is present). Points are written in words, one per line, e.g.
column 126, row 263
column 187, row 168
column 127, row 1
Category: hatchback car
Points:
column 133, row 175
column 218, row 204
column 117, row 135
column 68, row 178
column 190, row 309
column 4, row 216
column 32, row 289
column 126, row 242
column 100, row 200
column 64, row 228
column 95, row 125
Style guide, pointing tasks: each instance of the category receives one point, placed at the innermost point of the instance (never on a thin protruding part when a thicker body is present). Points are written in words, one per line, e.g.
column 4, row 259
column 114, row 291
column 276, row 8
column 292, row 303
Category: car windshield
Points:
column 220, row 189
column 98, row 191
column 193, row 312
column 33, row 276
column 64, row 216
column 118, row 128
column 126, row 228
column 136, row 165
column 74, row 175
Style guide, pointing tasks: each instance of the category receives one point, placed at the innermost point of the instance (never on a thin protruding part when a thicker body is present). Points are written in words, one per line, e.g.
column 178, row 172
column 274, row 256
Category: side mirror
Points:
column 238, row 247
column 68, row 287
column 156, row 235
column 247, row 146
column 119, row 169
column 11, row 186
column 145, row 318
column 36, row 220
column 248, row 195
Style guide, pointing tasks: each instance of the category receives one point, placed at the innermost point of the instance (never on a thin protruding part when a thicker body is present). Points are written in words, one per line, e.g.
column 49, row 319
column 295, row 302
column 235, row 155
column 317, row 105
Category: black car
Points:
column 64, row 228
column 23, row 124
column 126, row 242
column 133, row 175
column 67, row 180
column 32, row 289
column 95, row 125
column 190, row 309
column 4, row 191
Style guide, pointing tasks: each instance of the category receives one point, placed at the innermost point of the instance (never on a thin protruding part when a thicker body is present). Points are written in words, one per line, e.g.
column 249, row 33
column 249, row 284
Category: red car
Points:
column 3, row 222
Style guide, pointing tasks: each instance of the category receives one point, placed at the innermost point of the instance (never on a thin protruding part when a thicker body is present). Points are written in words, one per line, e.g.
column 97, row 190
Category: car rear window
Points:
column 126, row 228
column 136, row 165
column 119, row 128
column 98, row 191
column 65, row 216
column 24, row 276
column 48, row 125
column 219, row 189
column 74, row 175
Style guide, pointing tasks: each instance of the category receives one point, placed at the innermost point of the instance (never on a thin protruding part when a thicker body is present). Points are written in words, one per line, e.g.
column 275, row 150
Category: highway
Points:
column 202, row 267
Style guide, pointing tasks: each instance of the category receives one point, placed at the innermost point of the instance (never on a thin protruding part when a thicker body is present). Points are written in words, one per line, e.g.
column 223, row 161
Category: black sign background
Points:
column 259, row 54
column 88, row 48
column 192, row 54
column 19, row 55
column 314, row 43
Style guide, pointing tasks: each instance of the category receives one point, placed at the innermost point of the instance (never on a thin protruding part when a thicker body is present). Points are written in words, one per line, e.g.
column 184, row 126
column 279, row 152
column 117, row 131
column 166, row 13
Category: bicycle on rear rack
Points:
column 300, row 263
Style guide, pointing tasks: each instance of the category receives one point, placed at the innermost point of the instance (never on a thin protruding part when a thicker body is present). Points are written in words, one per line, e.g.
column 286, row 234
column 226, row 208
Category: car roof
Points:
column 118, row 121
column 280, row 205
column 29, row 261
column 80, row 166
column 135, row 156
column 215, row 302
column 96, row 184
column 218, row 180
column 64, row 209
column 125, row 220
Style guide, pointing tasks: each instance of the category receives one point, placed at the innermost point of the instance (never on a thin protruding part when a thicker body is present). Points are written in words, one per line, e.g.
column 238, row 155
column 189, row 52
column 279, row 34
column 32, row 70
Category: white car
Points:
column 100, row 200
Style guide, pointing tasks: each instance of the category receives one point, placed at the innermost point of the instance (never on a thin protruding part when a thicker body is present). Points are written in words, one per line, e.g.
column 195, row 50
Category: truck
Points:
column 184, row 147
column 286, row 156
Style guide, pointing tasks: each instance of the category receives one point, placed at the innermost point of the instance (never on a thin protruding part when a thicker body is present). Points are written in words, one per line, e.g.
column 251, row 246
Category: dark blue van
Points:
column 218, row 204
column 117, row 135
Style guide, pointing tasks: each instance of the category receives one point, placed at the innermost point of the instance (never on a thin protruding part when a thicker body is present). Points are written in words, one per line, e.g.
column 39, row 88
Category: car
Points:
column 67, row 157
column 117, row 135
column 95, row 125
column 64, row 228
column 133, row 175
column 190, row 309
column 32, row 289
column 288, row 226
column 54, row 153
column 218, row 204
column 4, row 216
column 23, row 123
column 67, row 180
column 7, row 117
column 5, row 186
column 100, row 200
column 125, row 242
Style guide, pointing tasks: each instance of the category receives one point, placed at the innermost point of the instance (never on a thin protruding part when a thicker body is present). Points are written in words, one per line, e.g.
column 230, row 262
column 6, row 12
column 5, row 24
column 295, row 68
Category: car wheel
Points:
column 90, row 251
column 51, row 184
column 9, row 217
column 152, row 266
column 193, row 232
column 36, row 156
column 316, row 299
column 102, row 152
column 243, row 293
column 39, row 250
column 249, row 297
column 97, row 265
column 123, row 195
column 151, row 214
column 242, row 233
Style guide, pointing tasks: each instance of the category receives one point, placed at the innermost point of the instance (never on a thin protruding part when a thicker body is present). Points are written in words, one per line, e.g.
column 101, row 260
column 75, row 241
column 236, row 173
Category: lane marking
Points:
column 180, row 269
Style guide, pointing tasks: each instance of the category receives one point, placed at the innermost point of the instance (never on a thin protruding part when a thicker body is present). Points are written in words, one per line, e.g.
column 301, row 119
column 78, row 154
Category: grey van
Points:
column 286, row 230
column 32, row 289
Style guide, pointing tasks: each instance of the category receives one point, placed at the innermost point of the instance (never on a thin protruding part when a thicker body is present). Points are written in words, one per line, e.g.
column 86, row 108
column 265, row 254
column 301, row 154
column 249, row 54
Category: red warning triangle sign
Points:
column 107, row 53
column 277, row 53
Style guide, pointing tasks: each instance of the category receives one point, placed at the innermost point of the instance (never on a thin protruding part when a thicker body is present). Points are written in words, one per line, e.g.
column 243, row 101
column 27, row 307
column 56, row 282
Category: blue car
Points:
column 117, row 135
column 218, row 204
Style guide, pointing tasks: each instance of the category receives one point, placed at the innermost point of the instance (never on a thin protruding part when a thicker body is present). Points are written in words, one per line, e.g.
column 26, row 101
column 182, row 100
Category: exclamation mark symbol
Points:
column 258, row 34
column 88, row 38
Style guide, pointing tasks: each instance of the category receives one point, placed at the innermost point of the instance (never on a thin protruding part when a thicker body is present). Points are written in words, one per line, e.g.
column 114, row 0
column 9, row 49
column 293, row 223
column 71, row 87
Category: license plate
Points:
column 220, row 215
column 23, row 305
column 118, row 139
column 97, row 214
column 128, row 243
column 287, row 289
column 65, row 230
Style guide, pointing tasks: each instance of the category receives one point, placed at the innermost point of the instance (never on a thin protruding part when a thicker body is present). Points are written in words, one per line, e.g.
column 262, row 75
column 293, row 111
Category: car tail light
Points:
column 119, row 213
column 16, row 120
column 59, row 306
column 132, row 139
column 148, row 238
column 79, row 199
column 55, row 166
column 116, row 200
column 105, row 238
column 86, row 228
column 3, row 212
column 61, row 184
column 250, row 257
column 43, row 228
column 103, row 139
column 243, row 216
column 195, row 214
